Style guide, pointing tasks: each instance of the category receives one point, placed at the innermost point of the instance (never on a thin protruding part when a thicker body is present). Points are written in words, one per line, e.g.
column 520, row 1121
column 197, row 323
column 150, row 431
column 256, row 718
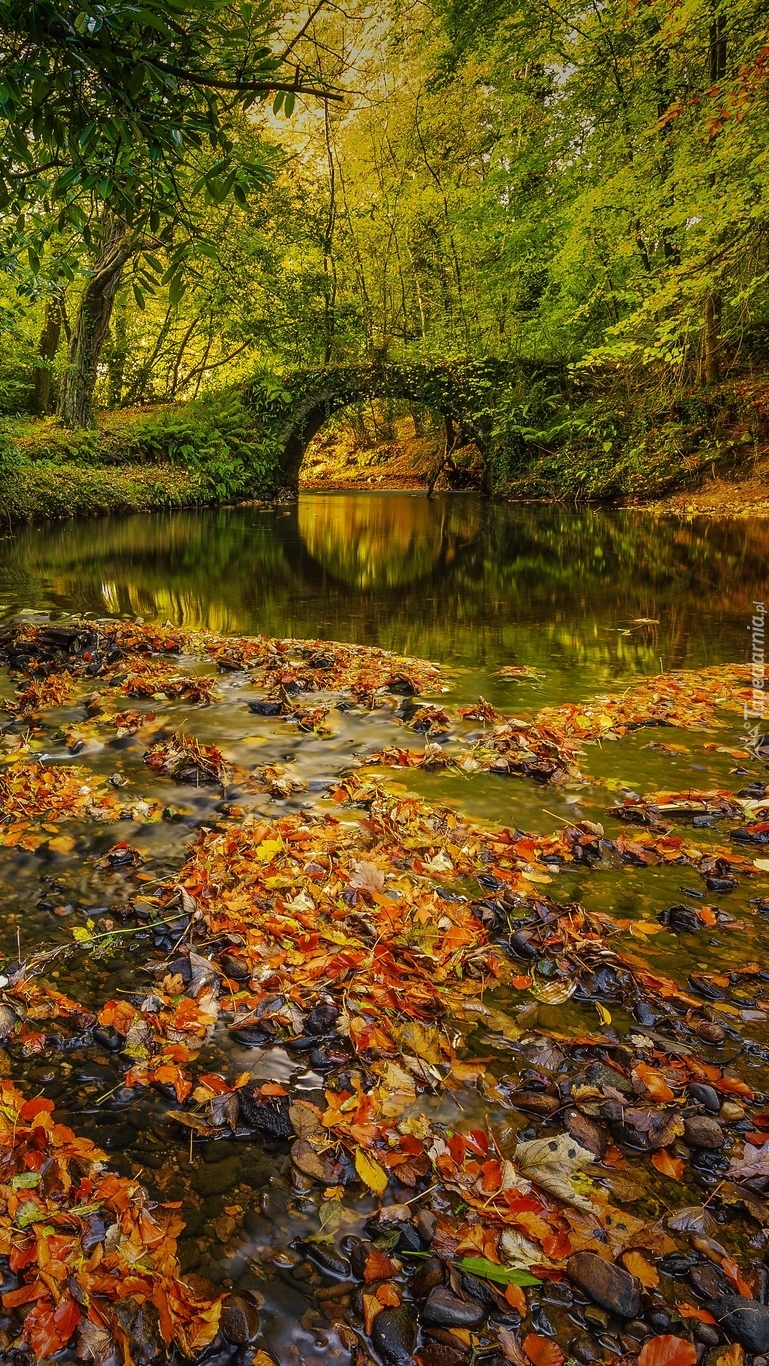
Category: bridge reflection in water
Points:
column 459, row 579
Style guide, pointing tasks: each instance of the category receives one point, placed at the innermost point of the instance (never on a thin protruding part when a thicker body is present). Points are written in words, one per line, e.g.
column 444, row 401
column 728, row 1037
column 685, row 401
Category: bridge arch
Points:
column 291, row 411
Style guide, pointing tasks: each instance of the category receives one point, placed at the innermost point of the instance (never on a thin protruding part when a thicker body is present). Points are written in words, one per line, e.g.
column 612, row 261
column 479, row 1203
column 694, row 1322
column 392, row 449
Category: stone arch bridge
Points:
column 291, row 410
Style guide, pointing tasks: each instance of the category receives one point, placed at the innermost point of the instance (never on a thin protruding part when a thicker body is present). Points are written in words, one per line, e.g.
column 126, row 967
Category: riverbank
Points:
column 702, row 454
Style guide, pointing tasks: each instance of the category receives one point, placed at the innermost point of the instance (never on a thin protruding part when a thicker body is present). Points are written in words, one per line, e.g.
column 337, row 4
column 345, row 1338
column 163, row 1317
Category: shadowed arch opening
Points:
column 389, row 443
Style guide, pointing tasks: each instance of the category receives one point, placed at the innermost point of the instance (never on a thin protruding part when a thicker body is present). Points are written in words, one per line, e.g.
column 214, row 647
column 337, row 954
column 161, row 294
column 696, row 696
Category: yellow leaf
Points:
column 267, row 850
column 603, row 1013
column 638, row 1266
column 370, row 1172
column 63, row 844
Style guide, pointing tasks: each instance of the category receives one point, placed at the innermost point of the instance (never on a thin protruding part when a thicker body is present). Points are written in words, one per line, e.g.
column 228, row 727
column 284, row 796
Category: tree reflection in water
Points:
column 457, row 579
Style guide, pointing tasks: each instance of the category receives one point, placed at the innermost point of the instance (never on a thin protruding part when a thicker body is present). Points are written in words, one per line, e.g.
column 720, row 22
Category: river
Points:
column 591, row 600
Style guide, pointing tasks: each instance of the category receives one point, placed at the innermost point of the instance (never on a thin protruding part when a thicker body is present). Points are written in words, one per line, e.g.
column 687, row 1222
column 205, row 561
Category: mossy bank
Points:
column 135, row 460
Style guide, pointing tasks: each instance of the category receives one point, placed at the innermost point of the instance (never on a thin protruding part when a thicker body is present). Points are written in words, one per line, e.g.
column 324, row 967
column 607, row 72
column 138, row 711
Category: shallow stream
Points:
column 591, row 600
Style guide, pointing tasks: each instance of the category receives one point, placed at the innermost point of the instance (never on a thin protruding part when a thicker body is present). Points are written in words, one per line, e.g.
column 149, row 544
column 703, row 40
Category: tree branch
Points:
column 243, row 87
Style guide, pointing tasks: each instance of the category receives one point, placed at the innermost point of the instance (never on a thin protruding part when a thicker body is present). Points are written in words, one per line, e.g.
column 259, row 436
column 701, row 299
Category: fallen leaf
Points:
column 669, row 1166
column 542, row 1351
column 550, row 1163
column 667, row 1350
column 637, row 1265
column 370, row 1172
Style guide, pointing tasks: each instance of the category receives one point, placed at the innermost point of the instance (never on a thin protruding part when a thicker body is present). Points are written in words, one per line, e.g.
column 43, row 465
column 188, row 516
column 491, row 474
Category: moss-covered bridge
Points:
column 292, row 410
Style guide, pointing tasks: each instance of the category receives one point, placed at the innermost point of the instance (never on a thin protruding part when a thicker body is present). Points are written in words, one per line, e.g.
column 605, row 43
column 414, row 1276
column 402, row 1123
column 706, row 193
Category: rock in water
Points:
column 703, row 1132
column 394, row 1335
column 240, row 1318
column 745, row 1320
column 609, row 1285
column 447, row 1310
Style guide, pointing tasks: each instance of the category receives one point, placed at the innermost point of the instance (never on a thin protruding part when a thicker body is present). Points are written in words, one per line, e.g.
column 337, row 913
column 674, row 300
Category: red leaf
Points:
column 542, row 1351
column 667, row 1350
column 30, row 1108
column 48, row 1330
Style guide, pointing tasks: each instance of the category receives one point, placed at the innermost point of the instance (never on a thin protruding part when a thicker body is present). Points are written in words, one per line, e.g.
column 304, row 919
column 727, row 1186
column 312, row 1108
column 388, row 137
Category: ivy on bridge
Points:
column 291, row 410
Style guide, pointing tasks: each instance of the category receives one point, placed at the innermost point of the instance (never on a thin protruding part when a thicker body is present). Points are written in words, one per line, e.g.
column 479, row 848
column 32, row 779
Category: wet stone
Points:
column 702, row 1132
column 429, row 1275
column 609, row 1285
column 440, row 1354
column 745, row 1320
column 394, row 1335
column 710, row 1032
column 536, row 1102
column 240, row 1317
column 637, row 1329
column 449, row 1311
column 210, row 1179
column 598, row 1074
column 709, row 1281
column 705, row 1095
column 584, row 1349
column 236, row 968
column 706, row 1333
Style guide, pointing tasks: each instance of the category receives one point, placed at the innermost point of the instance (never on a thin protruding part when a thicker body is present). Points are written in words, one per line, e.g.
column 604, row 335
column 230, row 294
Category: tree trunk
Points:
column 92, row 324
column 118, row 355
column 47, row 348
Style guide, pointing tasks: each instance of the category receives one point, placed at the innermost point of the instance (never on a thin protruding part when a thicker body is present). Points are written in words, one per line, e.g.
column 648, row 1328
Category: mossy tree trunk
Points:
column 50, row 336
column 116, row 247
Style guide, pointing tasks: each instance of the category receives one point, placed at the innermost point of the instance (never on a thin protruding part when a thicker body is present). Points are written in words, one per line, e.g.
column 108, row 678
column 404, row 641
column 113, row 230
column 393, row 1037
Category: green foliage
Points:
column 110, row 103
column 213, row 440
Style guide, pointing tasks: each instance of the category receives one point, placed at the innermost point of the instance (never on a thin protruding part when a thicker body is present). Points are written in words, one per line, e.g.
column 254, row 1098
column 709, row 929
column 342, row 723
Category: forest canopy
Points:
column 190, row 192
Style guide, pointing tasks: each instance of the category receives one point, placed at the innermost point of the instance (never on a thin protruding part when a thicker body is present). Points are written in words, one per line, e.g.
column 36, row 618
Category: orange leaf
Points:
column 733, row 1272
column 670, row 1166
column 48, row 1330
column 388, row 1294
column 516, row 1298
column 542, row 1351
column 667, row 1350
column 637, row 1265
column 688, row 1311
column 378, row 1267
column 733, row 1356
column 734, row 1087
column 654, row 1082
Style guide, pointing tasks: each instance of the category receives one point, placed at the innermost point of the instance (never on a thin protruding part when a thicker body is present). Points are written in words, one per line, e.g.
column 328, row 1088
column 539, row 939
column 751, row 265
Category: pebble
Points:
column 609, row 1285
column 440, row 1354
column 584, row 1349
column 710, row 1032
column 731, row 1110
column 745, row 1320
column 706, row 1096
column 709, row 1281
column 394, row 1335
column 700, row 1131
column 428, row 1276
column 447, row 1310
column 637, row 1329
column 536, row 1102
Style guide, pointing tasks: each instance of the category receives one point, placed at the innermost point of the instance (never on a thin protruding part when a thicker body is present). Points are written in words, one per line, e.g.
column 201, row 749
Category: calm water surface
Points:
column 459, row 580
